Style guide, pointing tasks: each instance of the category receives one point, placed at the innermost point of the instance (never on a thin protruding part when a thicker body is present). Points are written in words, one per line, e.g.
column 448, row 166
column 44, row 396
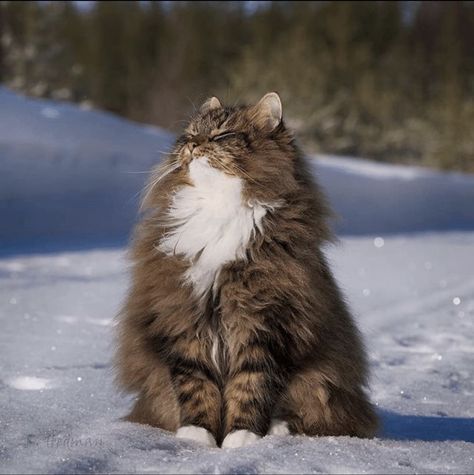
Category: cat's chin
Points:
column 197, row 434
column 200, row 165
column 239, row 438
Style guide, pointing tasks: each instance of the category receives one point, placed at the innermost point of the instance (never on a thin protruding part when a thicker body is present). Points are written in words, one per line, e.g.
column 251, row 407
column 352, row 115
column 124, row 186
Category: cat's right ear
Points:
column 211, row 104
column 267, row 114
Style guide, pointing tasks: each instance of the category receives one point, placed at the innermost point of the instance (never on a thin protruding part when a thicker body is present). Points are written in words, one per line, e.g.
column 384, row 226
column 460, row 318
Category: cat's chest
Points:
column 212, row 224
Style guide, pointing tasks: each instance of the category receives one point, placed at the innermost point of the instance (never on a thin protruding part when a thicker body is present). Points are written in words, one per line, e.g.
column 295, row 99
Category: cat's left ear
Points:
column 211, row 104
column 267, row 114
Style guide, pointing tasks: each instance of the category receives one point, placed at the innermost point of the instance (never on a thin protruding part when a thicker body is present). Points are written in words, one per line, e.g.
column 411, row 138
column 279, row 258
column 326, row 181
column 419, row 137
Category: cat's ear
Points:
column 211, row 104
column 267, row 113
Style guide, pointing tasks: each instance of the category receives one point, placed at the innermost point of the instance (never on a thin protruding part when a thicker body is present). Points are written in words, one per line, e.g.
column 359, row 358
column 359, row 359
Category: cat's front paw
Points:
column 239, row 438
column 198, row 434
column 278, row 427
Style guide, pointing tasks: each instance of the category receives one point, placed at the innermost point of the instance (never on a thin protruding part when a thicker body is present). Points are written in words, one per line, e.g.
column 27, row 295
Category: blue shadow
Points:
column 425, row 428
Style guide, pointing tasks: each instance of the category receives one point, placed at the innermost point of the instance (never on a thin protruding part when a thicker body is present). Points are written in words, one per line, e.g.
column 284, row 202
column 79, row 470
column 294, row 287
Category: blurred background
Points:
column 381, row 95
column 391, row 81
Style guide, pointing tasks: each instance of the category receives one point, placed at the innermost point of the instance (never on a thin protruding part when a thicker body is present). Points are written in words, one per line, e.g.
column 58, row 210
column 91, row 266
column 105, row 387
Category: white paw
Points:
column 278, row 427
column 198, row 434
column 239, row 438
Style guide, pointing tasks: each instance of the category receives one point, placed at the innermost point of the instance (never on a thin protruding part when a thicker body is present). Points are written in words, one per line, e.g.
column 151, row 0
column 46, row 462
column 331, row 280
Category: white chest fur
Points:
column 212, row 225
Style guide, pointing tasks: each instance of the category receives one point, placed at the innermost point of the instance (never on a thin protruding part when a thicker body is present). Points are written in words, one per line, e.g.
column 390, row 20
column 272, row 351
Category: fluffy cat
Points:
column 234, row 326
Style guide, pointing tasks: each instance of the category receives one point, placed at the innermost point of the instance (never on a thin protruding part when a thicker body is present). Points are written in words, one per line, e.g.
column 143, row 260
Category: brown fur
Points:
column 289, row 347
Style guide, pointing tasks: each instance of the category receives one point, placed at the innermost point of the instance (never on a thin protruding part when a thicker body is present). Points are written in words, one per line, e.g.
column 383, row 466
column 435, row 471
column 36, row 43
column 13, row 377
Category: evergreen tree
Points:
column 392, row 81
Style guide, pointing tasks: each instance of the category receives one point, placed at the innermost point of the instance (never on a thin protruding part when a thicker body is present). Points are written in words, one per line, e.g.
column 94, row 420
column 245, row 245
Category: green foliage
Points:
column 391, row 81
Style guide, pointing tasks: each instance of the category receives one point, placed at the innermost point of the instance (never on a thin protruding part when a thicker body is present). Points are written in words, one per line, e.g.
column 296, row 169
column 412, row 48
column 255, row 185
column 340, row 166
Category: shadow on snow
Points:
column 425, row 428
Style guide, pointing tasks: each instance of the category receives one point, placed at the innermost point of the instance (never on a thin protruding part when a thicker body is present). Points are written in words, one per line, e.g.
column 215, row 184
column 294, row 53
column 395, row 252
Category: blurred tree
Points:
column 392, row 81
column 201, row 41
column 110, row 62
column 2, row 41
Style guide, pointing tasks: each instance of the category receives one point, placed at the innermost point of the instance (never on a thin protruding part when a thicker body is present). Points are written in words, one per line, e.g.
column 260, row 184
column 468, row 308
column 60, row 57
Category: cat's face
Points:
column 248, row 142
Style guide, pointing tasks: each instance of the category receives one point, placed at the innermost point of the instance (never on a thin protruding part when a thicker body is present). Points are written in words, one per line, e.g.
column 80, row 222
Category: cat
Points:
column 234, row 326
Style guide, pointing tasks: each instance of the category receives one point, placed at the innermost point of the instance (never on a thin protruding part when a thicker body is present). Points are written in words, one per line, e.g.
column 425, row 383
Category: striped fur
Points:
column 272, row 336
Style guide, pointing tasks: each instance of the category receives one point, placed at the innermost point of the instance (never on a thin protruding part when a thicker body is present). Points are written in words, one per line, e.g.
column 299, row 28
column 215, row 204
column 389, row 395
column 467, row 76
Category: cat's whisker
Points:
column 147, row 171
column 182, row 121
column 247, row 175
column 164, row 171
column 166, row 152
column 226, row 168
column 250, row 178
column 192, row 103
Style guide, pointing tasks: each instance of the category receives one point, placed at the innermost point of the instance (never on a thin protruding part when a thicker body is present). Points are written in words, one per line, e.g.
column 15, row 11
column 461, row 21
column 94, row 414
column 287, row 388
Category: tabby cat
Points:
column 234, row 327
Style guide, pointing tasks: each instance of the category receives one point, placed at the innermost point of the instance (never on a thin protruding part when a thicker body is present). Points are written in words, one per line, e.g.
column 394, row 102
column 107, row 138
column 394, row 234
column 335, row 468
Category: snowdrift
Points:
column 72, row 177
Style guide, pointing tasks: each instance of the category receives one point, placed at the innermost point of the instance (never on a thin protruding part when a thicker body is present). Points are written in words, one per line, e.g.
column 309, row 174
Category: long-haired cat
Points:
column 234, row 326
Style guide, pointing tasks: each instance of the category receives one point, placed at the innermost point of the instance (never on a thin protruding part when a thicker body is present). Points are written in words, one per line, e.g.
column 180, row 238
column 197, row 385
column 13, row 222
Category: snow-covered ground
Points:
column 65, row 182
column 414, row 299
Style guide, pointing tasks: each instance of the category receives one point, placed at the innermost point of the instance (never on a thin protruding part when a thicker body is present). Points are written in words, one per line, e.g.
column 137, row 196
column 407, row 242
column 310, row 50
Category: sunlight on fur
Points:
column 234, row 327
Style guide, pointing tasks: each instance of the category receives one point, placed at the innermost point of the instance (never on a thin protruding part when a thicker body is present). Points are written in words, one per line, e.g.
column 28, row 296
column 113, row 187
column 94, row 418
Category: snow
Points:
column 374, row 198
column 58, row 333
column 28, row 383
column 411, row 292
column 71, row 177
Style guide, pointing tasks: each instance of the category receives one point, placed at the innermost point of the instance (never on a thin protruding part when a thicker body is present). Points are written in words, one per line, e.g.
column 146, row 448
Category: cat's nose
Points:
column 191, row 146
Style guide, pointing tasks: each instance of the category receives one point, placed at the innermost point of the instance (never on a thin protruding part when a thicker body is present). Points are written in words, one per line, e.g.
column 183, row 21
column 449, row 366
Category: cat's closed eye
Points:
column 223, row 136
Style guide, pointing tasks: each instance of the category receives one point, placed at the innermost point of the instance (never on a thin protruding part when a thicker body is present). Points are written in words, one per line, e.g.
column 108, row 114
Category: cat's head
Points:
column 250, row 142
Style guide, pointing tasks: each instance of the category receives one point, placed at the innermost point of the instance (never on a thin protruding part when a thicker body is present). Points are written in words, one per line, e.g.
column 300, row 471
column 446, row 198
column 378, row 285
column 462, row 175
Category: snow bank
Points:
column 69, row 175
column 72, row 177
column 374, row 198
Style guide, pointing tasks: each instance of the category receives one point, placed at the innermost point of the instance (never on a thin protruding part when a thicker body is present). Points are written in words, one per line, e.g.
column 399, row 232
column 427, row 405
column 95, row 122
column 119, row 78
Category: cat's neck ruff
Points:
column 212, row 225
